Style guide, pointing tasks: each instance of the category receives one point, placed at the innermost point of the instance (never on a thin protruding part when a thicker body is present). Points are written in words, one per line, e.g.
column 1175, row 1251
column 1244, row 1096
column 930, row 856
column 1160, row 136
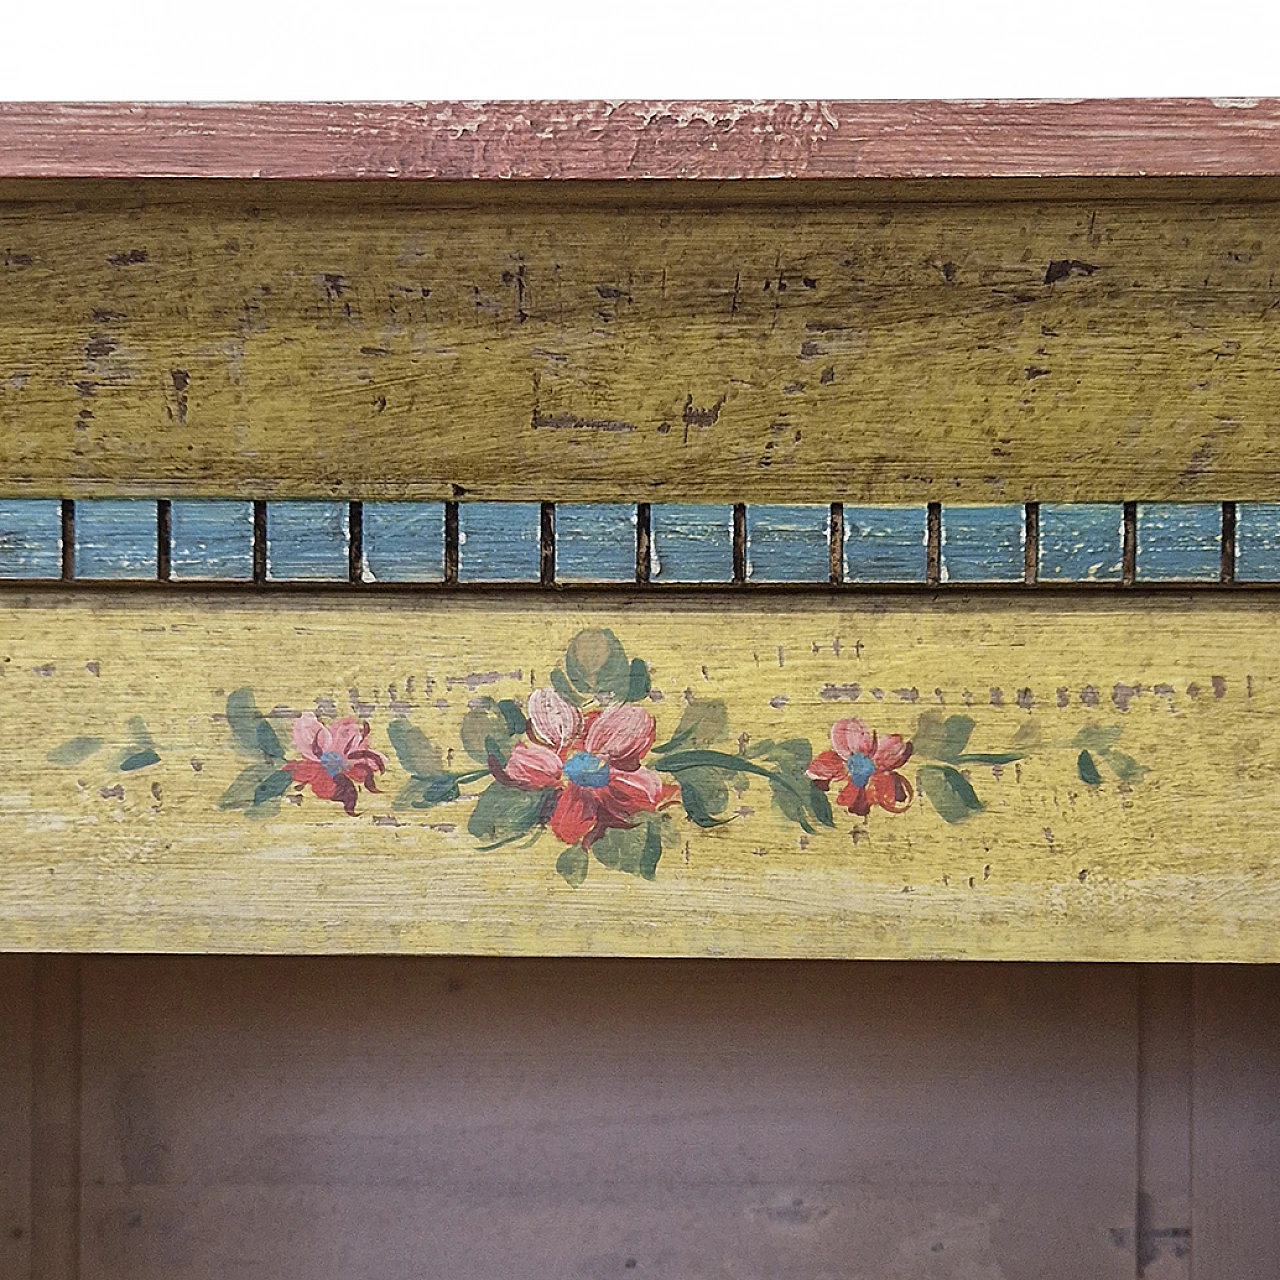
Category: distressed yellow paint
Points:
column 1184, row 865
column 385, row 341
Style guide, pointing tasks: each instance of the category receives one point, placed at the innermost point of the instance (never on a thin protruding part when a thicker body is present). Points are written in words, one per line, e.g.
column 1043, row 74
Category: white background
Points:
column 231, row 50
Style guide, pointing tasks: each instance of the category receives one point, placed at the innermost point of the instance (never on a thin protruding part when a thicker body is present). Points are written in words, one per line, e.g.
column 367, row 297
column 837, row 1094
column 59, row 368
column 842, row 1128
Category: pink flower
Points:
column 336, row 758
column 594, row 762
column 867, row 765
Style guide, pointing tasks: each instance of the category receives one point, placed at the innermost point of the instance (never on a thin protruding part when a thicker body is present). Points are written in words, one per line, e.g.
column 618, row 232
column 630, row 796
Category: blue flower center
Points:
column 860, row 767
column 331, row 763
column 585, row 770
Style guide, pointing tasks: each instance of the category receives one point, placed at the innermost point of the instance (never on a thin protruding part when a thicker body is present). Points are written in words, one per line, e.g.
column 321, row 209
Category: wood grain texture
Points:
column 595, row 542
column 30, row 538
column 1258, row 542
column 884, row 544
column 788, row 544
column 690, row 543
column 266, row 1117
column 982, row 544
column 17, row 1050
column 1179, row 541
column 115, row 538
column 1080, row 542
column 1237, row 1123
column 499, row 542
column 56, row 1092
column 211, row 539
column 307, row 541
column 637, row 139
column 115, row 838
column 309, row 342
column 403, row 541
column 275, row 1120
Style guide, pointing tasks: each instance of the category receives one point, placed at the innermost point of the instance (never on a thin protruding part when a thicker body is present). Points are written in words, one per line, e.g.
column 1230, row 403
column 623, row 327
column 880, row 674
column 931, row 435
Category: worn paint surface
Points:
column 115, row 538
column 107, row 847
column 691, row 543
column 1179, row 541
column 499, row 542
column 706, row 139
column 1083, row 542
column 371, row 343
column 788, row 544
column 595, row 542
column 1258, row 542
column 403, row 541
column 211, row 539
column 982, row 544
column 307, row 541
column 884, row 544
column 30, row 538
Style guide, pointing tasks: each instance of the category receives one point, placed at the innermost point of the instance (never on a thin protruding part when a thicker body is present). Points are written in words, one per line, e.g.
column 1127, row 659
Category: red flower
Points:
column 594, row 762
column 336, row 758
column 867, row 764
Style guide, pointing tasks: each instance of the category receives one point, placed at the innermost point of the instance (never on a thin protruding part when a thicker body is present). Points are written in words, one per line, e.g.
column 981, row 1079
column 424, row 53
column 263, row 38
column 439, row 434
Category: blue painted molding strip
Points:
column 192, row 541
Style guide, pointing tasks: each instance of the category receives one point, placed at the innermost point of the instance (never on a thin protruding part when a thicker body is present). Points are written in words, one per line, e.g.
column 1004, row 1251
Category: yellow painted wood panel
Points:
column 1111, row 797
column 236, row 339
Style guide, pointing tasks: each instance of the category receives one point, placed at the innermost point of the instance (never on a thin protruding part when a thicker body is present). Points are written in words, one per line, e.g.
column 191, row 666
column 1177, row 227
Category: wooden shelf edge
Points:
column 631, row 140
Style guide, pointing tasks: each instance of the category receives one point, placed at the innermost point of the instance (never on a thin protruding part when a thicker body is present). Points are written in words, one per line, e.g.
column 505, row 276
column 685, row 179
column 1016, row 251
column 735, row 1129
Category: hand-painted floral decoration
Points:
column 867, row 766
column 593, row 764
column 335, row 758
column 581, row 759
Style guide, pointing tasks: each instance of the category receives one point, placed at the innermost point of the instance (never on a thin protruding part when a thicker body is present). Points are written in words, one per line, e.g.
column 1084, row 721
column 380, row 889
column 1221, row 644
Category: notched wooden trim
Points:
column 1227, row 572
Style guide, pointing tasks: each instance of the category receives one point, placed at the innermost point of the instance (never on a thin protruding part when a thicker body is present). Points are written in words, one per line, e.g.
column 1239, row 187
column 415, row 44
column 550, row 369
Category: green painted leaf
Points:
column 705, row 721
column 596, row 664
column 633, row 850
column 513, row 716
column 139, row 760
column 1126, row 767
column 1088, row 770
column 667, row 830
column 572, row 865
column 792, row 804
column 269, row 741
column 821, row 806
column 240, row 794
column 792, row 755
column 251, row 730
column 704, row 795
column 939, row 737
column 416, row 752
column 1098, row 738
column 638, row 682
column 988, row 757
column 138, row 731
column 272, row 787
column 949, row 792
column 504, row 813
column 414, row 794
column 678, row 761
column 1028, row 735
column 651, row 855
column 437, row 790
column 794, row 793
column 485, row 730
column 75, row 750
column 560, row 683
